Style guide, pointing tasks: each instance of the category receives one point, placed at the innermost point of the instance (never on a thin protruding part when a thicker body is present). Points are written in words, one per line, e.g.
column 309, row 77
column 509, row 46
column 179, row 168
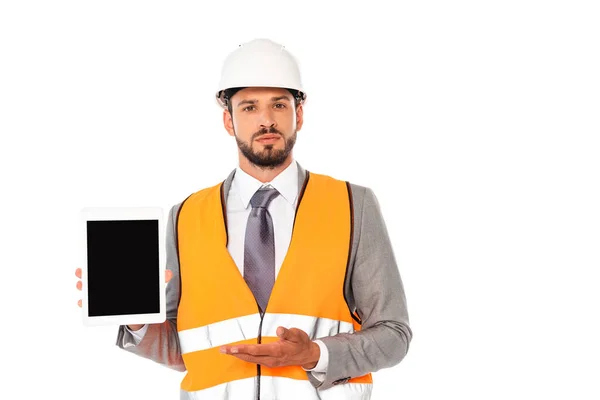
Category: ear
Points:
column 299, row 117
column 228, row 122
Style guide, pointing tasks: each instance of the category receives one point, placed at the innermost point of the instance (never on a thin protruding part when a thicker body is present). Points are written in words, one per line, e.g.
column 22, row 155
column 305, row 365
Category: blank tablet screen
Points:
column 123, row 262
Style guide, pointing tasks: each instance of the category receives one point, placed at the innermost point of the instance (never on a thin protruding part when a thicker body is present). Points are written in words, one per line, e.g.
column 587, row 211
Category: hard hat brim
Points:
column 222, row 102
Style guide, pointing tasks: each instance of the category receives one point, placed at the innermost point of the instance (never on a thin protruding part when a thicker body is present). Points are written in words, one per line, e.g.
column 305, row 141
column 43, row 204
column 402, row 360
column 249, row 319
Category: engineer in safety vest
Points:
column 283, row 283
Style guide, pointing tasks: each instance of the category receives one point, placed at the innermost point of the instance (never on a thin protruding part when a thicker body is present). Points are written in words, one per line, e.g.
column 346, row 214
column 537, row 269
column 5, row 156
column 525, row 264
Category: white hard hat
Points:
column 260, row 63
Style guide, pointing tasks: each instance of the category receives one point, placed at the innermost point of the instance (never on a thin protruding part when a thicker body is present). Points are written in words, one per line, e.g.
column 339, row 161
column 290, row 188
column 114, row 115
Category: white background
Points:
column 476, row 124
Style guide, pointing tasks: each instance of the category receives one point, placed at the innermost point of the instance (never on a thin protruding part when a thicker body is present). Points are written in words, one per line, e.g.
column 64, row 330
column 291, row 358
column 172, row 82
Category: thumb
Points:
column 168, row 275
column 284, row 333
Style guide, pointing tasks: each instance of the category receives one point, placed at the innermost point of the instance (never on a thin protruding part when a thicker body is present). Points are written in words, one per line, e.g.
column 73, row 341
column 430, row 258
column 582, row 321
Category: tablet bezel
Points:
column 123, row 213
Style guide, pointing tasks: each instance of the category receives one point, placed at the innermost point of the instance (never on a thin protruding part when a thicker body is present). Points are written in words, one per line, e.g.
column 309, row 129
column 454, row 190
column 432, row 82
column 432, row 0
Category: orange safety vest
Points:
column 217, row 307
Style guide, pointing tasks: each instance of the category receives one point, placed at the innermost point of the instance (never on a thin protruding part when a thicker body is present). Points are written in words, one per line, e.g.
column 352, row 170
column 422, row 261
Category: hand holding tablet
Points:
column 79, row 285
column 123, row 278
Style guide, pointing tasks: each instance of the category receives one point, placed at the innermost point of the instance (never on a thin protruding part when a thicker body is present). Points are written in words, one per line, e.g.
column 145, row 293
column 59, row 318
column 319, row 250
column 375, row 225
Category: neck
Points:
column 263, row 174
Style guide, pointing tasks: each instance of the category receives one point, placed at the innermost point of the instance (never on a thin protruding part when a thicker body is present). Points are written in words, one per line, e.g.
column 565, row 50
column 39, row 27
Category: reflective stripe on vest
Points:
column 273, row 387
column 217, row 307
column 246, row 327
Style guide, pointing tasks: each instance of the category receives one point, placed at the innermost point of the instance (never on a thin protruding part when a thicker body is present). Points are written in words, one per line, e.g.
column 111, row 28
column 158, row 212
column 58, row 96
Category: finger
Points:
column 79, row 285
column 262, row 360
column 168, row 275
column 78, row 273
column 79, row 303
column 270, row 349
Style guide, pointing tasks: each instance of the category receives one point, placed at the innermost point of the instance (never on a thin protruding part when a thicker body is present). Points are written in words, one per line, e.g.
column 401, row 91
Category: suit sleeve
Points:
column 160, row 342
column 378, row 292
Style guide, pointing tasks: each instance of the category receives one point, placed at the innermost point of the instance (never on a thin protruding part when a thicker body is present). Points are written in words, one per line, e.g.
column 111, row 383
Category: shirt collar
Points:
column 286, row 184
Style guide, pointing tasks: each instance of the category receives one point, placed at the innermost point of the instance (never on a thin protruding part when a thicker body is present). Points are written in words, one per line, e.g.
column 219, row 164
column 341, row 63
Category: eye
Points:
column 248, row 108
column 280, row 105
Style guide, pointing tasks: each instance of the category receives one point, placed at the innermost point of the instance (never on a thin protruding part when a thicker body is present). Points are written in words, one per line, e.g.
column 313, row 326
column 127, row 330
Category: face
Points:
column 264, row 122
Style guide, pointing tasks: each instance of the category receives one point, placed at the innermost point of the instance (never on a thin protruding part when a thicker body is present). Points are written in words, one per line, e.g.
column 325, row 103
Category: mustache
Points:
column 264, row 131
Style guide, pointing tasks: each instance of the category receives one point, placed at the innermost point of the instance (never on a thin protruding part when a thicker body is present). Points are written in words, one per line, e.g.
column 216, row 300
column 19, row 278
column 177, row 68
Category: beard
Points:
column 268, row 157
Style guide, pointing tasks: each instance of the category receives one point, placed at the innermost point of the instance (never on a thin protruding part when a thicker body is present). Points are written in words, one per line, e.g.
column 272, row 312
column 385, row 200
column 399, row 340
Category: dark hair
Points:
column 228, row 94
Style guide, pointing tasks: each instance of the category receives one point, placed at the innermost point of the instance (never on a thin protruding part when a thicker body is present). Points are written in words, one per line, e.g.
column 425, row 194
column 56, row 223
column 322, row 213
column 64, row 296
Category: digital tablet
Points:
column 123, row 266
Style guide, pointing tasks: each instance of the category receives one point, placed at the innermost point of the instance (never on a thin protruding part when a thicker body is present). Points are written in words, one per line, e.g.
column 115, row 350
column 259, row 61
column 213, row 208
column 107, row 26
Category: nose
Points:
column 267, row 120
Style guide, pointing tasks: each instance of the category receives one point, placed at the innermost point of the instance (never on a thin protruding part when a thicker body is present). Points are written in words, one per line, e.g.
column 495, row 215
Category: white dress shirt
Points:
column 282, row 209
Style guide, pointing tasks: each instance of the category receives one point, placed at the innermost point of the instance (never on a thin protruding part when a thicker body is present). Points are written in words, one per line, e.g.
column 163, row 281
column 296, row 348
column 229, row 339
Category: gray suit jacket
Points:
column 373, row 288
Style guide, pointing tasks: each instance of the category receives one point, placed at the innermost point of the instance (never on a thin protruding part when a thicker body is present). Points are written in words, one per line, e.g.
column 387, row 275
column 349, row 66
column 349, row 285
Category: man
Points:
column 283, row 282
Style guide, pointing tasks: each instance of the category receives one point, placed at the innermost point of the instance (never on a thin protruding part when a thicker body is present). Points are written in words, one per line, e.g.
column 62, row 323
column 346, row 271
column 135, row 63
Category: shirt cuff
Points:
column 320, row 369
column 137, row 335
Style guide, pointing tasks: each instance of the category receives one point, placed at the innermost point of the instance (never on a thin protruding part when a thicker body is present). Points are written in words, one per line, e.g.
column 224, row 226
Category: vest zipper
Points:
column 262, row 314
column 258, row 365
